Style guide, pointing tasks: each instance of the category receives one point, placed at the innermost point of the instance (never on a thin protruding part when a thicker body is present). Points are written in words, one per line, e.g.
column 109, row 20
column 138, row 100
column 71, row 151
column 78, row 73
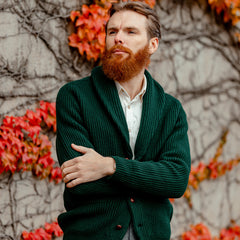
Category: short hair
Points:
column 153, row 24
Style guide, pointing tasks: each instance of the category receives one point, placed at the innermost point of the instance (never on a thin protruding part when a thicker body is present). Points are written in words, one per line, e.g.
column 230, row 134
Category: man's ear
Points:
column 153, row 45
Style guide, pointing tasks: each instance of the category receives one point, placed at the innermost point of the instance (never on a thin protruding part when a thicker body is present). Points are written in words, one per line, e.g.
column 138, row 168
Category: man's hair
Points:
column 153, row 25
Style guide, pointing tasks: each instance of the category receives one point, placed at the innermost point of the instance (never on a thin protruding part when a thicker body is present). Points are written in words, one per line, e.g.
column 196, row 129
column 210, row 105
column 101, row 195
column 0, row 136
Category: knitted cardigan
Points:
column 89, row 113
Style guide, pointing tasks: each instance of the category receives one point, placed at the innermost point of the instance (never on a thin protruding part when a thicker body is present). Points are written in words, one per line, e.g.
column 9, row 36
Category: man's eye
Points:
column 111, row 32
column 131, row 32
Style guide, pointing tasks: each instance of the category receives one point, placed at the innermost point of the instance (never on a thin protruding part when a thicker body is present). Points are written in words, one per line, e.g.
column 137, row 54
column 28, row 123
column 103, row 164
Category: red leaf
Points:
column 99, row 24
column 52, row 109
column 81, row 34
column 26, row 158
column 74, row 15
column 45, row 143
column 85, row 10
column 90, row 35
column 37, row 170
column 53, row 229
column 81, row 21
column 9, row 161
column 25, row 236
column 56, row 175
column 42, row 234
column 84, row 47
column 4, row 145
column 46, row 160
column 101, row 38
column 33, row 118
column 73, row 40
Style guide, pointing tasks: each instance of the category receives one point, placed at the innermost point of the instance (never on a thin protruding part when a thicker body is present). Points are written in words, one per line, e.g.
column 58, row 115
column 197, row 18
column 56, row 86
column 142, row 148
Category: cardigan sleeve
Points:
column 71, row 129
column 167, row 176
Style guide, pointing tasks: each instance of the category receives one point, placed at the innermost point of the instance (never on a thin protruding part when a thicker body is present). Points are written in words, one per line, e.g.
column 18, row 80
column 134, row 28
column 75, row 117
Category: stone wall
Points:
column 197, row 61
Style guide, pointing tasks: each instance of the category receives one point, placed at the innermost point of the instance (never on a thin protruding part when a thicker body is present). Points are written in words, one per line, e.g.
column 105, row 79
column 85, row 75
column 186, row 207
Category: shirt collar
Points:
column 121, row 89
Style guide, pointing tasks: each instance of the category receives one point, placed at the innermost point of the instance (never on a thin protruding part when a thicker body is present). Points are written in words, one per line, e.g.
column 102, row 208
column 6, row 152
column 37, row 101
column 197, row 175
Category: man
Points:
column 121, row 140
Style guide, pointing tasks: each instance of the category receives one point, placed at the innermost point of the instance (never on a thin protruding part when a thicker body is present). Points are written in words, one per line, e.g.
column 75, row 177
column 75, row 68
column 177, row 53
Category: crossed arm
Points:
column 89, row 167
column 85, row 172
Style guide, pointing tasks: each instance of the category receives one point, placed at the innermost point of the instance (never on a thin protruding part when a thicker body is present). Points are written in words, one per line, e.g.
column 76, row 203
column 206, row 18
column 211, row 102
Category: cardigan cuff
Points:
column 123, row 167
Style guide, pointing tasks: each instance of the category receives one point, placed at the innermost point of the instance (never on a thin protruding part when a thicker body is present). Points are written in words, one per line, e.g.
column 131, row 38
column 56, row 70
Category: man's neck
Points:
column 134, row 85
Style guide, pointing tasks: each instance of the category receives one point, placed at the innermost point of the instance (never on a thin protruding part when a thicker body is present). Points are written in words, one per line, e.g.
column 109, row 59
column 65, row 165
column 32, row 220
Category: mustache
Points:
column 120, row 47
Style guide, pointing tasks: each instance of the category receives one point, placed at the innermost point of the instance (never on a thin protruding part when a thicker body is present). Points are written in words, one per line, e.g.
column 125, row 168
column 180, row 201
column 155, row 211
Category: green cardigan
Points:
column 89, row 113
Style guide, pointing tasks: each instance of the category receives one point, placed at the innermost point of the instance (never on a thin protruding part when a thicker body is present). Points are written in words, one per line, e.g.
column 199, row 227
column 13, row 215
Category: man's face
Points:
column 128, row 29
column 127, row 46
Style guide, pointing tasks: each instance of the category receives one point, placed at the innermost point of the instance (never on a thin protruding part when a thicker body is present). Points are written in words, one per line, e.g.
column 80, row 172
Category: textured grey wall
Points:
column 198, row 62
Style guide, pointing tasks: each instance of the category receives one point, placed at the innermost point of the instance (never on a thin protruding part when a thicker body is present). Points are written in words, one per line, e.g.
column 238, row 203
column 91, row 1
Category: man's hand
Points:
column 89, row 167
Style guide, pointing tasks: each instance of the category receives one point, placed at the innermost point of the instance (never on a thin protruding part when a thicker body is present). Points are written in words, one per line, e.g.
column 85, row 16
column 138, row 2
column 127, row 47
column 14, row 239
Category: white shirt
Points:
column 132, row 110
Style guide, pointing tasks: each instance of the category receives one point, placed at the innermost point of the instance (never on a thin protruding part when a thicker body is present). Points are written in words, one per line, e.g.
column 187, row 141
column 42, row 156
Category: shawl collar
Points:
column 153, row 103
column 107, row 93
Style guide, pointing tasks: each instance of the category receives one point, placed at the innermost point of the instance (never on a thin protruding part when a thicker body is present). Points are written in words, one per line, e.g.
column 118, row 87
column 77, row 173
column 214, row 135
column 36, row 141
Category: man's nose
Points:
column 119, row 38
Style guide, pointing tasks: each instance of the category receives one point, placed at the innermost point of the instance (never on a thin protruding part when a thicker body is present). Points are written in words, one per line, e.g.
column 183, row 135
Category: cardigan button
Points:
column 132, row 200
column 118, row 227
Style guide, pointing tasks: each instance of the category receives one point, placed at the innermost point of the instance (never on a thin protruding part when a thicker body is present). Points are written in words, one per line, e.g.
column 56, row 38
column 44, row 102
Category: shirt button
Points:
column 128, row 106
column 132, row 200
column 118, row 227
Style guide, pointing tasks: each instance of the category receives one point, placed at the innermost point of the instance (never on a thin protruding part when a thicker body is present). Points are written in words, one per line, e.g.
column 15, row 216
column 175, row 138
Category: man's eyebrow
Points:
column 126, row 28
column 132, row 28
column 112, row 28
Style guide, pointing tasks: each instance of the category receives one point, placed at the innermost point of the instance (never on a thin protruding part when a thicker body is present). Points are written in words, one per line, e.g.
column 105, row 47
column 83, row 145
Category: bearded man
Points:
column 121, row 140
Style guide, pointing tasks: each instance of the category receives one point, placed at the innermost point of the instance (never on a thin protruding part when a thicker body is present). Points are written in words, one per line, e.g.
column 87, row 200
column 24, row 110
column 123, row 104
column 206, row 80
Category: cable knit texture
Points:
column 89, row 113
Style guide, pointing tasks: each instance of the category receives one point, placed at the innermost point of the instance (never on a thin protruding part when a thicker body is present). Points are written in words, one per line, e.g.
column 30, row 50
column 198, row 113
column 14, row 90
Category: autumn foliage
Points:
column 24, row 148
column 50, row 231
column 230, row 9
column 197, row 232
column 89, row 37
column 212, row 170
column 201, row 232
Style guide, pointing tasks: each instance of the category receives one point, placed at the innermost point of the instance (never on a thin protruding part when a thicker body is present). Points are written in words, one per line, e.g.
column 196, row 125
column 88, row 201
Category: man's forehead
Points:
column 127, row 18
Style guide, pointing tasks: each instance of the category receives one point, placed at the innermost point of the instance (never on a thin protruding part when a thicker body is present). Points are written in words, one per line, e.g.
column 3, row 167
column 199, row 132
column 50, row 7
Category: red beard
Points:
column 121, row 69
